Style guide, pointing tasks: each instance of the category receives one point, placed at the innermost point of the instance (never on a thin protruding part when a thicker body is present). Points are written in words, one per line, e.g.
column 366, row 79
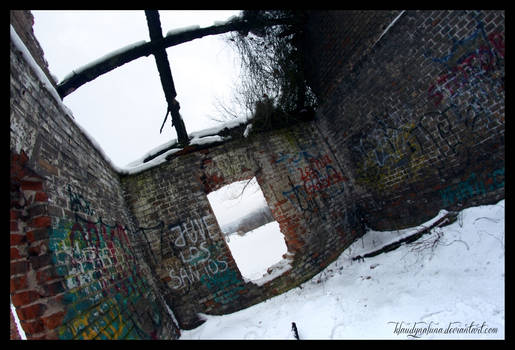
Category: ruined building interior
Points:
column 410, row 121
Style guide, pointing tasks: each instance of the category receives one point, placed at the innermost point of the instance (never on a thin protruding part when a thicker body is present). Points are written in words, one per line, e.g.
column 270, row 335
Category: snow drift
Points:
column 449, row 284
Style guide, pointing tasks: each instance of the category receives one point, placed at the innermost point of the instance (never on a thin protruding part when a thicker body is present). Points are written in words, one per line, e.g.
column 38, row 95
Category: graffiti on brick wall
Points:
column 195, row 252
column 469, row 100
column 318, row 180
column 78, row 203
column 234, row 165
column 474, row 69
column 104, row 282
column 473, row 186
column 388, row 153
column 225, row 285
column 391, row 151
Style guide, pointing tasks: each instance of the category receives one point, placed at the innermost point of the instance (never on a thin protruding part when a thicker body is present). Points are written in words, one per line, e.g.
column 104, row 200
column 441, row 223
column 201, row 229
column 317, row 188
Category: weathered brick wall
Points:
column 22, row 21
column 417, row 121
column 337, row 41
column 305, row 190
column 411, row 120
column 76, row 271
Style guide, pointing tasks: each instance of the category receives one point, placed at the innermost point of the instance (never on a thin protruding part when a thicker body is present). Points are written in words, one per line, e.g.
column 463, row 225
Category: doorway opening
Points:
column 250, row 231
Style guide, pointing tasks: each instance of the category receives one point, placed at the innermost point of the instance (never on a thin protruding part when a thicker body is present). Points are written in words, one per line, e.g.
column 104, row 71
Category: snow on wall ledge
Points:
column 202, row 137
column 76, row 270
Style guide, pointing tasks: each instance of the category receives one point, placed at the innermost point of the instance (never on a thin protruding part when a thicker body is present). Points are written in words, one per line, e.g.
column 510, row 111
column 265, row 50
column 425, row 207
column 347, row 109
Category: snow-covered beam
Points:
column 129, row 53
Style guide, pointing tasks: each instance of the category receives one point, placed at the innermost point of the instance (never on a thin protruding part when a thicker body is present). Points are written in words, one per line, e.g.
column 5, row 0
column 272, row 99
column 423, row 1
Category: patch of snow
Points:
column 273, row 271
column 216, row 129
column 182, row 30
column 207, row 140
column 389, row 26
column 153, row 151
column 37, row 70
column 103, row 58
column 139, row 167
column 258, row 251
column 50, row 88
column 201, row 137
column 452, row 291
column 247, row 130
column 21, row 332
column 228, row 20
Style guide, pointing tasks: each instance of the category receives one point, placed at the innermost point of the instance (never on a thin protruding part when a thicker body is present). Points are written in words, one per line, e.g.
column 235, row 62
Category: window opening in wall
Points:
column 253, row 236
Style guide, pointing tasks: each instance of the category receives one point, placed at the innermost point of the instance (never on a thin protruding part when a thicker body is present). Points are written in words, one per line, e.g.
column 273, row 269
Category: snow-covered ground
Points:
column 447, row 285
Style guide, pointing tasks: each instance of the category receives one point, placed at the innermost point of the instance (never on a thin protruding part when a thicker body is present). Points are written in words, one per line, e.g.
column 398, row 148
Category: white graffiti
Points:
column 196, row 255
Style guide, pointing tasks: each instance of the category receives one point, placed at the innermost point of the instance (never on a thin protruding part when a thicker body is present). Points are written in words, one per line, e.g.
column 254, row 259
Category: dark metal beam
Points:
column 103, row 66
column 157, row 46
column 163, row 66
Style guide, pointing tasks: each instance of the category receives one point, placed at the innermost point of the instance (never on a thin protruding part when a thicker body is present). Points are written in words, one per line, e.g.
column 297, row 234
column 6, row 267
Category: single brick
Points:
column 24, row 298
column 40, row 261
column 41, row 197
column 31, row 312
column 14, row 226
column 19, row 267
column 31, row 185
column 54, row 320
column 32, row 327
column 18, row 283
column 16, row 254
column 41, row 221
column 37, row 235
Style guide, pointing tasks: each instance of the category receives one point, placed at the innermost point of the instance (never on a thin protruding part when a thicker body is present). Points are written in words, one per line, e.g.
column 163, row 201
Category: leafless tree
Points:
column 273, row 84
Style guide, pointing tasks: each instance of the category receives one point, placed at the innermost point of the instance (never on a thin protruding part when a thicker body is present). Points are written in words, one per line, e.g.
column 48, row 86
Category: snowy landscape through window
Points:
column 251, row 233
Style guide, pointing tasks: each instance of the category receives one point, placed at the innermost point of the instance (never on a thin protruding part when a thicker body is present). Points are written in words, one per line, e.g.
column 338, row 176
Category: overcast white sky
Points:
column 123, row 110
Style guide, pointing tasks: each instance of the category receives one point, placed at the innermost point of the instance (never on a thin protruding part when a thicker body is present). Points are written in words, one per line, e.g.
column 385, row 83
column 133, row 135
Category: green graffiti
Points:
column 471, row 187
column 103, row 282
column 227, row 282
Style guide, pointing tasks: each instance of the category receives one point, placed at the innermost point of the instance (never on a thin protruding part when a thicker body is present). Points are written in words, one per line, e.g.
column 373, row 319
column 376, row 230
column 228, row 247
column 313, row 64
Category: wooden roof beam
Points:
column 163, row 66
column 123, row 56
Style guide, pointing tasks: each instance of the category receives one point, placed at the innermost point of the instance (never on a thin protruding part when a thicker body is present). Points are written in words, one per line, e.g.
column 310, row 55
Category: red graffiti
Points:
column 315, row 180
column 497, row 41
column 479, row 62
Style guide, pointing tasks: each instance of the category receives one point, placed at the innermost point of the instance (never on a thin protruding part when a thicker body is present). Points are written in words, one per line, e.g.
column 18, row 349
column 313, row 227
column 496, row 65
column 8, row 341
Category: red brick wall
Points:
column 76, row 272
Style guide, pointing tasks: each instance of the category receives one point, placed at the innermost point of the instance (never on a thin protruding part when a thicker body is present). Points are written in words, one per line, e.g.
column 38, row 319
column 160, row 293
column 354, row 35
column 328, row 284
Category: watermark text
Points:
column 421, row 329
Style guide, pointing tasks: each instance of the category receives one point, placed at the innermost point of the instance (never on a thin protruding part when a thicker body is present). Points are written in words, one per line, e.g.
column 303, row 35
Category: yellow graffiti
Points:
column 290, row 139
column 397, row 157
column 115, row 329
column 81, row 328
